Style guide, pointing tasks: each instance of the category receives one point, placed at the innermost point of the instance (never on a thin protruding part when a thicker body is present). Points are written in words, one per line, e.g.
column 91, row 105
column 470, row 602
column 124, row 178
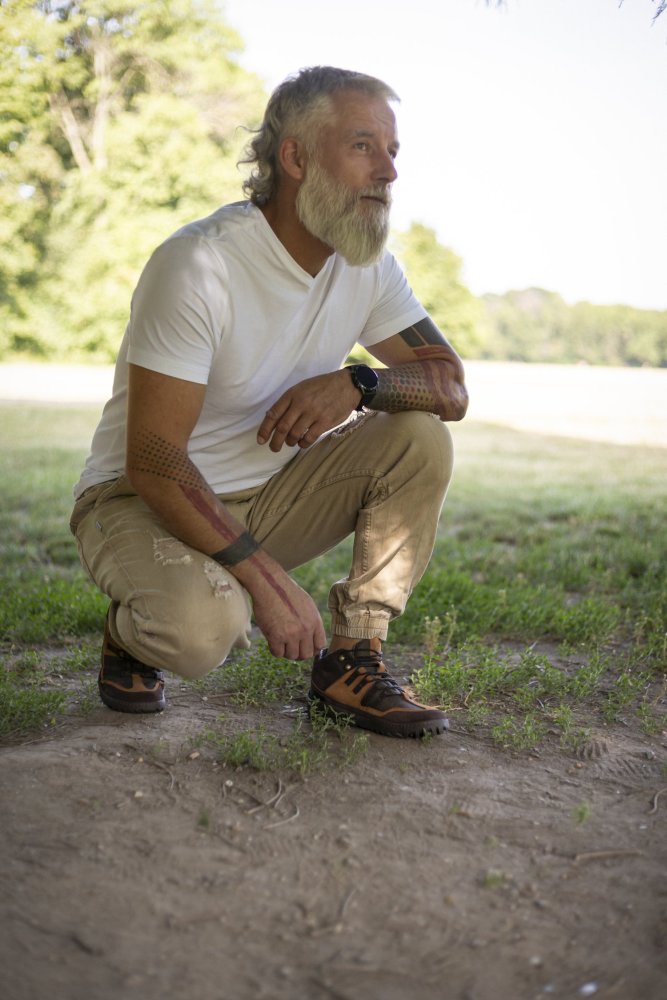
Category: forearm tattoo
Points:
column 152, row 454
column 426, row 384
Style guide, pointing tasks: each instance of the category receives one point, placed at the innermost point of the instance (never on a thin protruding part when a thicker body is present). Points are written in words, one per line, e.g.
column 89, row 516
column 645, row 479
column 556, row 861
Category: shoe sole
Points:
column 135, row 707
column 401, row 730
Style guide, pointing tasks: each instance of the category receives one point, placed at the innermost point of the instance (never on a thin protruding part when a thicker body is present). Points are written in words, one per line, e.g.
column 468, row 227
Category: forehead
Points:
column 355, row 113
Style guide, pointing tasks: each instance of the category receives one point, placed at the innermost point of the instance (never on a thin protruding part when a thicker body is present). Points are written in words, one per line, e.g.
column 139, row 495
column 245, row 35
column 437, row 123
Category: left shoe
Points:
column 356, row 683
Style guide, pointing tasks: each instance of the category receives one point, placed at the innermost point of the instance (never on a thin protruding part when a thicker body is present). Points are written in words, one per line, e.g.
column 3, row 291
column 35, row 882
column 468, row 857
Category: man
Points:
column 235, row 447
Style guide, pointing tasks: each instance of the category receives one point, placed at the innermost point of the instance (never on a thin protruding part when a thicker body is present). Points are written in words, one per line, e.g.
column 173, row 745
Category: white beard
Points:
column 335, row 215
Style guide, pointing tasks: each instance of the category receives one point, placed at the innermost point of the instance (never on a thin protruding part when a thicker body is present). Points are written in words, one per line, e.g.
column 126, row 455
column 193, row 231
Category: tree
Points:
column 434, row 272
column 118, row 122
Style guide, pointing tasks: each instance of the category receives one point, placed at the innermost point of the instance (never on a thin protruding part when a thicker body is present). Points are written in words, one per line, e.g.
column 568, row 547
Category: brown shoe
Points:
column 356, row 683
column 126, row 684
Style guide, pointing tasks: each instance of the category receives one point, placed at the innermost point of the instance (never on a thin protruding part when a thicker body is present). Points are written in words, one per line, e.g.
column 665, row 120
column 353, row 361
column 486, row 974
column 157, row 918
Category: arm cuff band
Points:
column 239, row 550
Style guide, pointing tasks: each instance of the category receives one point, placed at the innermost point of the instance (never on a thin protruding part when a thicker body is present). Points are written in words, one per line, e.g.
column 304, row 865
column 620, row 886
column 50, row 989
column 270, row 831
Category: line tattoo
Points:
column 422, row 334
column 198, row 501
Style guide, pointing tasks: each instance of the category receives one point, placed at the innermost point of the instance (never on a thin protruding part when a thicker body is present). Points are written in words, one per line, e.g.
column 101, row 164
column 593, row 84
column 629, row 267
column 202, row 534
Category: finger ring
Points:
column 304, row 433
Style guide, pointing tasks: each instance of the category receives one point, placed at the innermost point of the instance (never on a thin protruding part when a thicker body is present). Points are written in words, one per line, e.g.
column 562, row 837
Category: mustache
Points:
column 379, row 192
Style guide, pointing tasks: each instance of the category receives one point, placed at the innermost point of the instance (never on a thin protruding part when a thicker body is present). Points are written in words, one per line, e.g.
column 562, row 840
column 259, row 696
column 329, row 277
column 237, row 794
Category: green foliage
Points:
column 118, row 123
column 536, row 325
column 434, row 273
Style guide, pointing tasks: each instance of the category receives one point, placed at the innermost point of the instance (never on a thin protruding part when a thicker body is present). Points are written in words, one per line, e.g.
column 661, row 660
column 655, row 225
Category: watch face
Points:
column 366, row 377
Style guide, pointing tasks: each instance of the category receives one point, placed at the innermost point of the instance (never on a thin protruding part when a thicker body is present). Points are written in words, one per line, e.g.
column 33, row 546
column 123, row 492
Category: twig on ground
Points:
column 654, row 801
column 282, row 822
column 273, row 801
column 605, row 855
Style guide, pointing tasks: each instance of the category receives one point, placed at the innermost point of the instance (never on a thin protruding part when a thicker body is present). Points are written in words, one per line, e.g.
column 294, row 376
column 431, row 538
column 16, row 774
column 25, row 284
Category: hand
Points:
column 289, row 619
column 309, row 409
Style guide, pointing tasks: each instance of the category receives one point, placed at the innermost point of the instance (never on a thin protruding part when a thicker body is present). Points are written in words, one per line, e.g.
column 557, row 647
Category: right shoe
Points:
column 126, row 684
column 355, row 683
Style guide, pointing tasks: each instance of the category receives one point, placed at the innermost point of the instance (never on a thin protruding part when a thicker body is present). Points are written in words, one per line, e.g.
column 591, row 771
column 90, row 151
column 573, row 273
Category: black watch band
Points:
column 366, row 380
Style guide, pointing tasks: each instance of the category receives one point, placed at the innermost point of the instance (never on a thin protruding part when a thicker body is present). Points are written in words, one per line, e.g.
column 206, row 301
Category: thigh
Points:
column 314, row 502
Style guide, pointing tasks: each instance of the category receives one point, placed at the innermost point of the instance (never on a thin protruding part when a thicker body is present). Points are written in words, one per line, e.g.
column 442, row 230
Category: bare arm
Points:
column 424, row 373
column 162, row 413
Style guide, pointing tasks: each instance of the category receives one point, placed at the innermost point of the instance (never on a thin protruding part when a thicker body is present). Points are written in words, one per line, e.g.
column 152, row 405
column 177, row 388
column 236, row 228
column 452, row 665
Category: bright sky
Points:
column 534, row 136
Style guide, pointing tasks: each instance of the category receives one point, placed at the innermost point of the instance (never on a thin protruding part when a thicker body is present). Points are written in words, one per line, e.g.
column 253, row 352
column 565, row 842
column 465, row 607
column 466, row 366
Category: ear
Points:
column 292, row 158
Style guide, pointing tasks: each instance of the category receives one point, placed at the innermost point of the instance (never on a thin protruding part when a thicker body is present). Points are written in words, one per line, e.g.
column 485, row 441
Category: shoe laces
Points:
column 369, row 669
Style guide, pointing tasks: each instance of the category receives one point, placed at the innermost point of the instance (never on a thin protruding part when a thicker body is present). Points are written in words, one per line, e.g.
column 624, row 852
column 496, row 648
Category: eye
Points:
column 362, row 145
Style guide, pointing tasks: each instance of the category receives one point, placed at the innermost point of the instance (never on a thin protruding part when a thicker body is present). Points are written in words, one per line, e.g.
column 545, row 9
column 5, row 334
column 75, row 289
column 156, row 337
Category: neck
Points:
column 309, row 252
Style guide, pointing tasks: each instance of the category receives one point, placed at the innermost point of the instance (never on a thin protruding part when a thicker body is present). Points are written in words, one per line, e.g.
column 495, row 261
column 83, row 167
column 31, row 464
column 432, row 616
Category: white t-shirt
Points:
column 223, row 303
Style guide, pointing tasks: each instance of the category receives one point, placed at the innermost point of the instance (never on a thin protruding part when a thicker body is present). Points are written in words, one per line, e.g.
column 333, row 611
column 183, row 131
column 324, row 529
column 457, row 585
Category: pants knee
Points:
column 428, row 446
column 187, row 644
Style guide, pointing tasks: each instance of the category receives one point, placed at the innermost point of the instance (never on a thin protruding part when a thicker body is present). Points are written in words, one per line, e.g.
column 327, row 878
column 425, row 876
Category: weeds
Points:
column 25, row 707
column 311, row 746
column 255, row 678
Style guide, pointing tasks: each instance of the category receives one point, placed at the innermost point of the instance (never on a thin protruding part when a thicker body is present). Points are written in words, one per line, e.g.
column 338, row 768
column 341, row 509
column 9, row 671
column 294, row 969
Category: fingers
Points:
column 291, row 428
column 268, row 424
column 305, row 649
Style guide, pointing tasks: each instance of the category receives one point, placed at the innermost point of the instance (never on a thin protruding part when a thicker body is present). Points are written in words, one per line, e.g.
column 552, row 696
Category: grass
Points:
column 543, row 612
column 315, row 742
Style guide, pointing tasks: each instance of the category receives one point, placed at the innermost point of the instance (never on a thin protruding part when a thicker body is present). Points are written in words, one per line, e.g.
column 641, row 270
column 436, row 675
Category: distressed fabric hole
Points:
column 215, row 575
column 170, row 552
column 354, row 421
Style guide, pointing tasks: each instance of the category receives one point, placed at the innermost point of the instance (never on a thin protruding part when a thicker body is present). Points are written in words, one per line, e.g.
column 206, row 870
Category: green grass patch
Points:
column 315, row 743
column 255, row 678
column 544, row 543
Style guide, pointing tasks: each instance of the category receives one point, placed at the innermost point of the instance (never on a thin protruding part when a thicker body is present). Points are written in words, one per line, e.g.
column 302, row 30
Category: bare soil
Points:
column 133, row 865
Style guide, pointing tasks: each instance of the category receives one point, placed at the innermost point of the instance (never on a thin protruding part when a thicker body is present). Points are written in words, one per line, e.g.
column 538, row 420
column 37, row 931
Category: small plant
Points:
column 651, row 721
column 519, row 734
column 582, row 813
column 572, row 736
column 494, row 879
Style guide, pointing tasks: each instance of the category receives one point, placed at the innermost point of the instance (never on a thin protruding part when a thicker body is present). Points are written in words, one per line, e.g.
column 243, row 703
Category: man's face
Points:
column 345, row 197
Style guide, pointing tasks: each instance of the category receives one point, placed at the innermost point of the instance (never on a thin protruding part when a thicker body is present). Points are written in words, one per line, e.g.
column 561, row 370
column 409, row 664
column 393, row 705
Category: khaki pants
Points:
column 382, row 477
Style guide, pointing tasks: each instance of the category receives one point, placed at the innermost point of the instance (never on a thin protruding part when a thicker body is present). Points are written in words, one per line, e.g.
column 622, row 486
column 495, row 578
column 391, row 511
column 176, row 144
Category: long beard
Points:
column 355, row 229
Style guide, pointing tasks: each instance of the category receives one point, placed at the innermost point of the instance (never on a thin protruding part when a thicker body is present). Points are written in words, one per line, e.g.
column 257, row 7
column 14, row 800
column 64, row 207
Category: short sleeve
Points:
column 396, row 307
column 179, row 309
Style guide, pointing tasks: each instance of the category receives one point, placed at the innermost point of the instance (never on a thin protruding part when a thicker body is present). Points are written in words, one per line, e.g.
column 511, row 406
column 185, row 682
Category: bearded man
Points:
column 235, row 446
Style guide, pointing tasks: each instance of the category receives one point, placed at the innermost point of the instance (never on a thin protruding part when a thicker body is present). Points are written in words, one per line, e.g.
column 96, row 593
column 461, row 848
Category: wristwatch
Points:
column 366, row 381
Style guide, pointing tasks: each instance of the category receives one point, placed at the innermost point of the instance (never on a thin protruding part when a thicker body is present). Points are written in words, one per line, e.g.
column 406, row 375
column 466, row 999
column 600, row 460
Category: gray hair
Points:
column 299, row 107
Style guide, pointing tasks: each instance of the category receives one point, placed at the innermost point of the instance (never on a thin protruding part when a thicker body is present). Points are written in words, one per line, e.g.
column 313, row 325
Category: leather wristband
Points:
column 239, row 550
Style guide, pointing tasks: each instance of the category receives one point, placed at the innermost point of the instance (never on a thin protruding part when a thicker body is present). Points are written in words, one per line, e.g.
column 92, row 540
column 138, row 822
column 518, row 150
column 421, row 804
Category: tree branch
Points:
column 61, row 108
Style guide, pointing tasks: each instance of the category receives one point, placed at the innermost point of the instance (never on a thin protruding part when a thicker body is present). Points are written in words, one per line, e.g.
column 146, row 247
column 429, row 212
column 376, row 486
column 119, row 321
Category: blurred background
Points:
column 530, row 210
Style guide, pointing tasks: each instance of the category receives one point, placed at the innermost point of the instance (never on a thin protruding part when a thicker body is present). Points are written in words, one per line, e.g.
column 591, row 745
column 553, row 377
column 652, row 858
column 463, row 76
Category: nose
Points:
column 386, row 169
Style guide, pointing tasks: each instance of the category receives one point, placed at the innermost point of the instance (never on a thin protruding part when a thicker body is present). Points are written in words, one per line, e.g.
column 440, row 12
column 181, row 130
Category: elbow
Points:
column 463, row 404
column 136, row 478
column 458, row 405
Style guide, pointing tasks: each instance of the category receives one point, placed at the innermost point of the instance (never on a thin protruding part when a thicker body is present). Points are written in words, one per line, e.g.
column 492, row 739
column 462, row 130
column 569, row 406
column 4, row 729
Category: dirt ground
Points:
column 132, row 865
